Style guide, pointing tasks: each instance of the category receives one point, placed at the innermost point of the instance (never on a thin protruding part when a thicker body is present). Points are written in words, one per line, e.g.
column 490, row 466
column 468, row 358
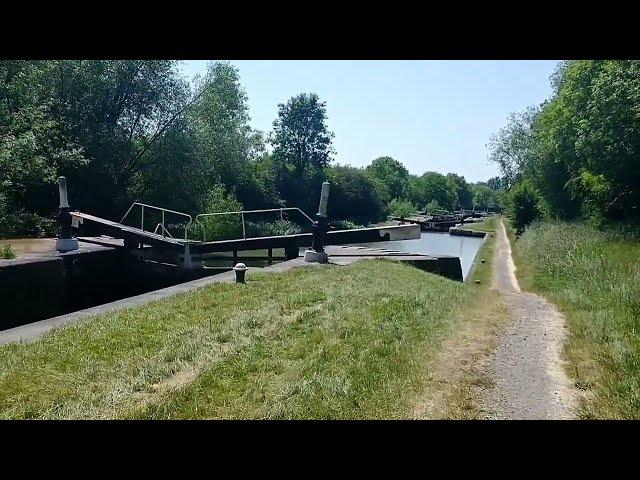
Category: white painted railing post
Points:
column 65, row 241
column 62, row 190
column 324, row 199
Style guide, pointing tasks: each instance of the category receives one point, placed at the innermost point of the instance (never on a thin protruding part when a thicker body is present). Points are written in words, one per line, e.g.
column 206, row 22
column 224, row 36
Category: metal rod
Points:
column 125, row 215
column 244, row 235
column 163, row 210
column 163, row 229
column 255, row 211
column 142, row 219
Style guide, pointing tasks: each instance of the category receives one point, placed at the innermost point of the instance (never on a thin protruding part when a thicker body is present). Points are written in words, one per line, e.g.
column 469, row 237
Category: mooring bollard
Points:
column 65, row 241
column 240, row 270
column 320, row 228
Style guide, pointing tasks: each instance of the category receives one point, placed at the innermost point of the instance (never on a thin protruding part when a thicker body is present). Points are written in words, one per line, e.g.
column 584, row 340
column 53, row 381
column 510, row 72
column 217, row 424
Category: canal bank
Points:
column 43, row 283
column 315, row 342
column 281, row 346
column 97, row 279
column 50, row 285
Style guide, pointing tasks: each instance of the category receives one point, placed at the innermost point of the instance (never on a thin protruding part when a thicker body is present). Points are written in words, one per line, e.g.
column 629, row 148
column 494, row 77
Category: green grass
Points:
column 487, row 225
column 7, row 252
column 594, row 278
column 483, row 271
column 315, row 342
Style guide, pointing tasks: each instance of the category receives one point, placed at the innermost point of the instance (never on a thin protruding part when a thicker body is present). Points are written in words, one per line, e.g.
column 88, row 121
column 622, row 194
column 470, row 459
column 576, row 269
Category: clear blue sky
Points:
column 430, row 115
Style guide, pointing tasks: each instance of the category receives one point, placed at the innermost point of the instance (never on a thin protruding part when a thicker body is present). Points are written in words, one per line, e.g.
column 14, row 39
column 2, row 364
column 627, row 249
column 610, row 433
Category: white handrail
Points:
column 242, row 212
column 163, row 210
column 162, row 229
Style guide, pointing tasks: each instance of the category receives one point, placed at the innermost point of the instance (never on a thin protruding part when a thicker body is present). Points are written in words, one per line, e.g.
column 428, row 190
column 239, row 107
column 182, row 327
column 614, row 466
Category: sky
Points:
column 430, row 115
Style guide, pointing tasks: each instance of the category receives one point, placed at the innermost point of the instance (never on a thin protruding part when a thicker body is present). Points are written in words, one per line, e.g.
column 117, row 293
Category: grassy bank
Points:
column 315, row 342
column 487, row 225
column 458, row 378
column 483, row 270
column 594, row 278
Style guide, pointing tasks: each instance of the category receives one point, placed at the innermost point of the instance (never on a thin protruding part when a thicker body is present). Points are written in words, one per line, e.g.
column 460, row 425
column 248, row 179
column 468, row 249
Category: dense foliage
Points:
column 130, row 130
column 579, row 149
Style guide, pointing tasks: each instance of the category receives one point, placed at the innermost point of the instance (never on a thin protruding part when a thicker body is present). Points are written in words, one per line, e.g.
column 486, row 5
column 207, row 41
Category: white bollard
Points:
column 65, row 241
column 324, row 199
column 62, row 189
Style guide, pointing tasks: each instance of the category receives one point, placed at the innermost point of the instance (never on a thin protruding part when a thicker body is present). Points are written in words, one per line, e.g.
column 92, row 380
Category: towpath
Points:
column 526, row 368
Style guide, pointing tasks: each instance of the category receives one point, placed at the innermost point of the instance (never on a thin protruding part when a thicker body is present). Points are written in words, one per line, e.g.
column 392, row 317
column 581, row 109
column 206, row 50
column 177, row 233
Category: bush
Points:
column 26, row 224
column 346, row 225
column 433, row 206
column 222, row 227
column 271, row 229
column 523, row 206
column 401, row 208
column 354, row 195
column 7, row 252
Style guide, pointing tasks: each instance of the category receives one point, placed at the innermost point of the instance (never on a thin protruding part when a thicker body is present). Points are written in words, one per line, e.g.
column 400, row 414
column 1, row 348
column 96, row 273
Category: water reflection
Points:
column 431, row 243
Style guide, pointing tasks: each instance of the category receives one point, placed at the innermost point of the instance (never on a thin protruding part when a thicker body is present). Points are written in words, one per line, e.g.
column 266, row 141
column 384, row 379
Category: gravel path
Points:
column 526, row 368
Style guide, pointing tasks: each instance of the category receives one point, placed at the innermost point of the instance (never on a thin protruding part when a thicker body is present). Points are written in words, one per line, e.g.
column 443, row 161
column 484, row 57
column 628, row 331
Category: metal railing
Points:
column 242, row 213
column 160, row 225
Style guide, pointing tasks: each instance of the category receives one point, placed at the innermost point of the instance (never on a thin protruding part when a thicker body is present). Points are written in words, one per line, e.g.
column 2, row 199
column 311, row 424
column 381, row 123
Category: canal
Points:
column 103, row 277
column 431, row 243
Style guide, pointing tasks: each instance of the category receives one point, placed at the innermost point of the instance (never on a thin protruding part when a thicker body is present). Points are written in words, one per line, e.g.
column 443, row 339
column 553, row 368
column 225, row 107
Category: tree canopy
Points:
column 392, row 174
column 578, row 150
column 126, row 130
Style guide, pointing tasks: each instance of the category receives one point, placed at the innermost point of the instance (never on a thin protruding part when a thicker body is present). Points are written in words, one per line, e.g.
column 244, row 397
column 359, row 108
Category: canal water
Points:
column 432, row 243
column 429, row 243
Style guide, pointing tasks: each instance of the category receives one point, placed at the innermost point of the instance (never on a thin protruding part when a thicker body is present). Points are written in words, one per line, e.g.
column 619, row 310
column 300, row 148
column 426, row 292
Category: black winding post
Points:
column 65, row 241
column 320, row 228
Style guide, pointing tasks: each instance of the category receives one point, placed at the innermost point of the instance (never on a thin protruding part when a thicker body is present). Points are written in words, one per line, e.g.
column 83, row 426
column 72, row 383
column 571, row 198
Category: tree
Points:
column 302, row 149
column 402, row 208
column 121, row 130
column 433, row 206
column 464, row 196
column 579, row 149
column 223, row 137
column 115, row 111
column 301, row 139
column 353, row 195
column 391, row 173
column 496, row 183
column 220, row 227
column 483, row 197
column 523, row 205
column 33, row 149
column 432, row 186
column 512, row 147
column 600, row 101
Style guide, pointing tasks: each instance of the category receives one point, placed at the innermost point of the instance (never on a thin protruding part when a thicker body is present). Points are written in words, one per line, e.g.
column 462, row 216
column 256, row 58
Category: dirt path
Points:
column 526, row 367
